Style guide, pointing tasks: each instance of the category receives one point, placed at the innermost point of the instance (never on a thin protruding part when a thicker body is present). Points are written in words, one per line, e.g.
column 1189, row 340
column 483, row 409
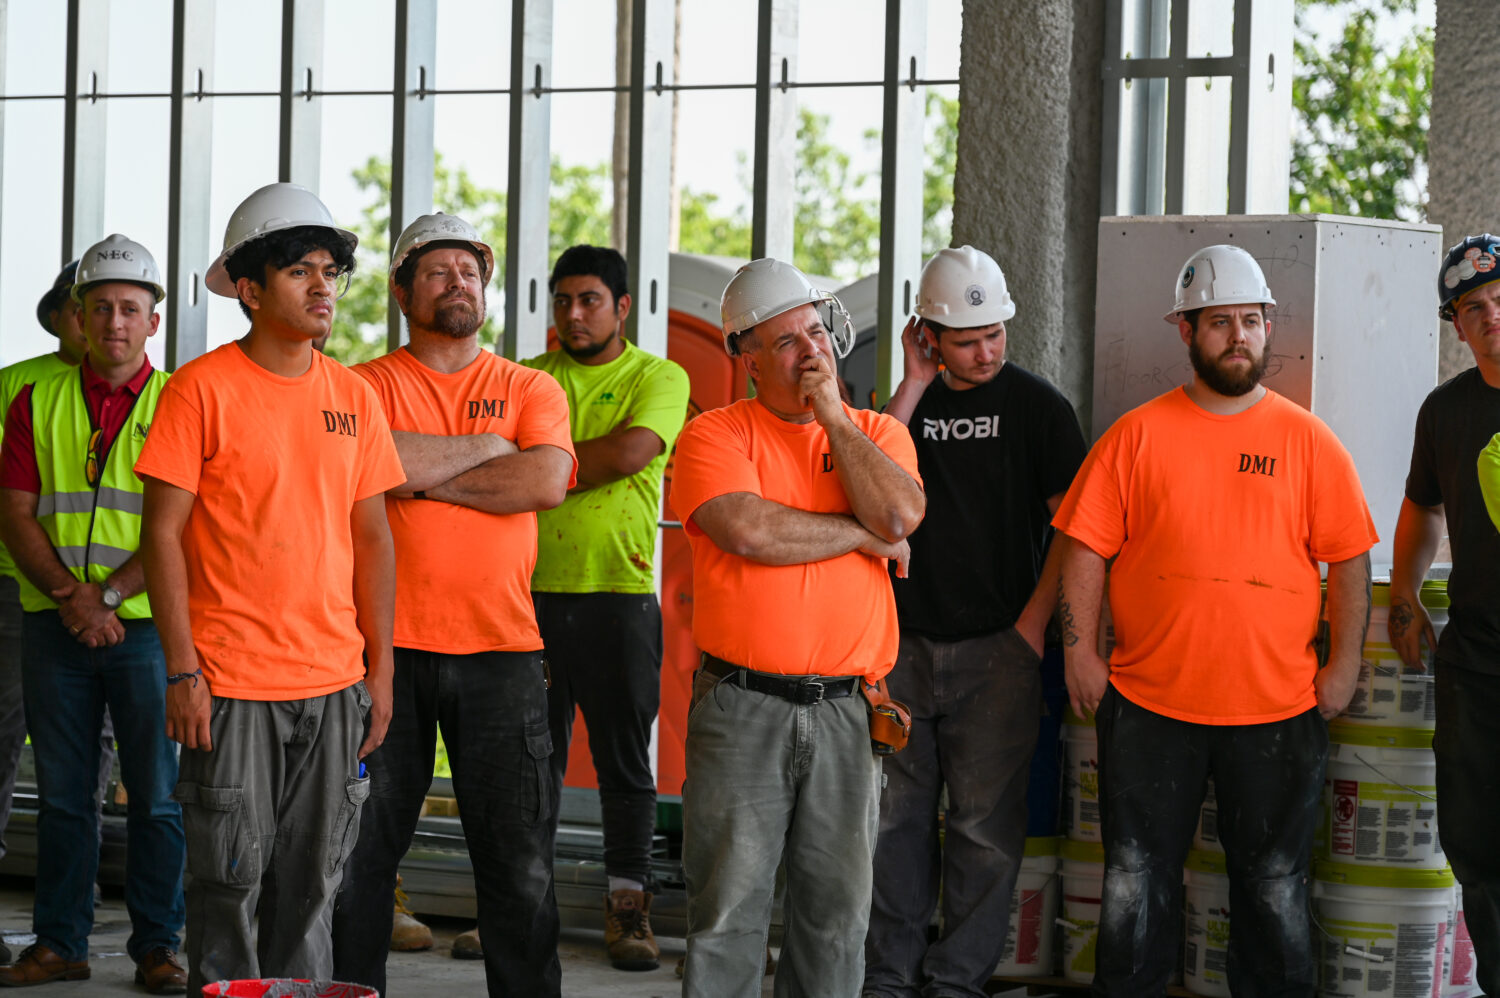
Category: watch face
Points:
column 110, row 597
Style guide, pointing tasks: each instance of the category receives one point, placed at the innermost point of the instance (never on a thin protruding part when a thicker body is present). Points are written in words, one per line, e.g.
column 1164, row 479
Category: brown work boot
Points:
column 160, row 972
column 466, row 945
column 627, row 931
column 407, row 934
column 39, row 965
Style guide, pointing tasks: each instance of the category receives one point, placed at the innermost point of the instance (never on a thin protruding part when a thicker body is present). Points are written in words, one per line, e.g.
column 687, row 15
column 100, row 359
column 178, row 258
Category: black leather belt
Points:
column 801, row 690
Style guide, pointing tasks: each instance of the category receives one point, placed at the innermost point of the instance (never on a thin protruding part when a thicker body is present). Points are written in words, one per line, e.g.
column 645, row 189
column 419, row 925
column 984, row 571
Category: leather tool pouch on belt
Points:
column 890, row 720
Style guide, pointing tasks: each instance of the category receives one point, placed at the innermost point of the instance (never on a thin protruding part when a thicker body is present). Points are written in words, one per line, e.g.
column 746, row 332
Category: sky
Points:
column 839, row 40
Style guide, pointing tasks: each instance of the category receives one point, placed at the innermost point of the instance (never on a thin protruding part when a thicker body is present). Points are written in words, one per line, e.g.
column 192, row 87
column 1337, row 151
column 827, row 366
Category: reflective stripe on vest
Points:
column 94, row 531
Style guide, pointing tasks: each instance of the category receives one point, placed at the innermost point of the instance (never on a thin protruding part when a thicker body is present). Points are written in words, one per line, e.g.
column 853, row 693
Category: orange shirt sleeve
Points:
column 177, row 443
column 712, row 460
column 380, row 468
column 1093, row 510
column 1340, row 522
column 544, row 418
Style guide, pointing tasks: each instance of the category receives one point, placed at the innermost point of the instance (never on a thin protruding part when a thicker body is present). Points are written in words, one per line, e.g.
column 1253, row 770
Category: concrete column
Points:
column 1463, row 143
column 1026, row 188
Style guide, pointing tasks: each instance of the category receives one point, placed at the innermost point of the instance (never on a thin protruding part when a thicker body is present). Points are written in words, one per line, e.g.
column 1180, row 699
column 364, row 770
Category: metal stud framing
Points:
column 774, row 196
column 301, row 75
column 902, row 159
column 650, row 170
column 192, row 131
column 412, row 122
column 528, row 193
column 84, row 124
column 1135, row 180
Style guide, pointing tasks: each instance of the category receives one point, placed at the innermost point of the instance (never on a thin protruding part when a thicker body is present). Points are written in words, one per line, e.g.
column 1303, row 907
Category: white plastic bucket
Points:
column 1205, row 908
column 1033, row 913
column 1082, row 889
column 1081, row 779
column 1381, row 797
column 1461, row 966
column 1382, row 932
column 1390, row 693
column 1206, row 838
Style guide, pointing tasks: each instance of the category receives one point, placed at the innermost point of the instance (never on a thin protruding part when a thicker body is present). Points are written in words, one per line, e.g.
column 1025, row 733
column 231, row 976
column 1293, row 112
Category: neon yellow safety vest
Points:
column 94, row 529
column 1489, row 478
column 12, row 380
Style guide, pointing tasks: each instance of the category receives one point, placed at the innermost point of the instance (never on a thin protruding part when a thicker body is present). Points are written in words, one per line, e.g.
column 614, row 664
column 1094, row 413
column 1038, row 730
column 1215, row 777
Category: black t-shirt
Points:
column 1455, row 423
column 990, row 458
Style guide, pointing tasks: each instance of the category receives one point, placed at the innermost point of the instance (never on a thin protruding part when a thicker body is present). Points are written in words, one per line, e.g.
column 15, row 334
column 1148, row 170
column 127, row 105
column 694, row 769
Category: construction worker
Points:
column 594, row 585
column 1454, row 457
column 484, row 444
column 997, row 447
column 271, row 570
column 793, row 503
column 1217, row 501
column 70, row 514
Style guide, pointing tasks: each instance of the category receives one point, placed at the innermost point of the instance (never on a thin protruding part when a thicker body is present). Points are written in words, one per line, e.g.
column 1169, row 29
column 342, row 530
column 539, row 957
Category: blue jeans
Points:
column 66, row 688
column 767, row 780
column 975, row 708
column 492, row 707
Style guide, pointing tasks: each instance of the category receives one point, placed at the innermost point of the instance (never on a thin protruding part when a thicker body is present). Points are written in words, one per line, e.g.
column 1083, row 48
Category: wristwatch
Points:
column 110, row 596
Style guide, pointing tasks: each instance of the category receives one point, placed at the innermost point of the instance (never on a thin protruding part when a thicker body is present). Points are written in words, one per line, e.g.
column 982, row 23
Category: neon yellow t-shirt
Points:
column 603, row 540
column 1489, row 478
column 12, row 380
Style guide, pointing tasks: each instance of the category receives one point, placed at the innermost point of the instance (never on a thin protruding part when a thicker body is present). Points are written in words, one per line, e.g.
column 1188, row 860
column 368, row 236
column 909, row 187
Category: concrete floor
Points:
column 586, row 971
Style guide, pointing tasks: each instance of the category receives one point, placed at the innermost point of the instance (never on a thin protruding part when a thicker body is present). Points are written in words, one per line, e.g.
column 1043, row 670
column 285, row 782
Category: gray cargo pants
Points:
column 270, row 815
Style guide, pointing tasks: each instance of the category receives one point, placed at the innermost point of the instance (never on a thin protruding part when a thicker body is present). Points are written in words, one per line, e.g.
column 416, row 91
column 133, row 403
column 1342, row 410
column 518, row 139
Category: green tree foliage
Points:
column 837, row 219
column 1362, row 109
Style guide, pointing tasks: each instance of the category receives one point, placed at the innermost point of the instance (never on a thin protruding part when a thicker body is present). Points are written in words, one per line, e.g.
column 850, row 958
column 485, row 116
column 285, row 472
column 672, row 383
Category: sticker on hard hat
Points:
column 114, row 255
column 974, row 295
column 1187, row 276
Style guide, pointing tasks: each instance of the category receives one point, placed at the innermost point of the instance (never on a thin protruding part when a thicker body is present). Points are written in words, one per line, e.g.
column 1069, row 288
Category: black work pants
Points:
column 1468, row 789
column 604, row 653
column 1269, row 782
column 493, row 711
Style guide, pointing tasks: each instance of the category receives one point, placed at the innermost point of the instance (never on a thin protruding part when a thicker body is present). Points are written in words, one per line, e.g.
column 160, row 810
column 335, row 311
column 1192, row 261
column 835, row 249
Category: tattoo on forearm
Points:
column 1400, row 617
column 1065, row 617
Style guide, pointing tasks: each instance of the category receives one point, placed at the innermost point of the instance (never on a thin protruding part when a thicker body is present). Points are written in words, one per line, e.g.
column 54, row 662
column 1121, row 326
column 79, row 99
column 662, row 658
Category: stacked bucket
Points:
column 1387, row 917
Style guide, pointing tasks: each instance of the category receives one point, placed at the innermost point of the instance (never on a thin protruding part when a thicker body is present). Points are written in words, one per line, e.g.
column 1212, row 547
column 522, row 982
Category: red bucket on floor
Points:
column 281, row 987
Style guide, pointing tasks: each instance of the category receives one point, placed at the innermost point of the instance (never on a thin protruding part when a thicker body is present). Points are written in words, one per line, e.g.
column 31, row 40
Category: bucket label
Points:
column 1028, row 937
column 1382, row 823
column 1207, row 940
column 1082, row 787
column 1410, row 963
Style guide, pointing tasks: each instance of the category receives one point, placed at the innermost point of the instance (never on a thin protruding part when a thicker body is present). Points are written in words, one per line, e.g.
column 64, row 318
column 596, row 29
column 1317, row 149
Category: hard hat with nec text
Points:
column 765, row 288
column 273, row 207
column 963, row 288
column 62, row 287
column 1219, row 275
column 439, row 227
column 116, row 258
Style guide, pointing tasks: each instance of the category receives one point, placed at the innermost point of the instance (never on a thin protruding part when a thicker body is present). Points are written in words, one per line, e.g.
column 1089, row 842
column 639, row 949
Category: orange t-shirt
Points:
column 835, row 617
column 277, row 465
column 463, row 576
column 1219, row 523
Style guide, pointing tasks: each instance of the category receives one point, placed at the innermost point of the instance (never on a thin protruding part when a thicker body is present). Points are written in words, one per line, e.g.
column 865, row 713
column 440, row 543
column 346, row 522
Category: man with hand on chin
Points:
column 1217, row 501
column 270, row 563
column 793, row 504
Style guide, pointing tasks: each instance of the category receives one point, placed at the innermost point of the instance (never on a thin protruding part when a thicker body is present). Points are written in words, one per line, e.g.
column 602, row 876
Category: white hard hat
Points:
column 963, row 288
column 439, row 227
column 273, row 207
column 1219, row 275
column 765, row 288
column 116, row 258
